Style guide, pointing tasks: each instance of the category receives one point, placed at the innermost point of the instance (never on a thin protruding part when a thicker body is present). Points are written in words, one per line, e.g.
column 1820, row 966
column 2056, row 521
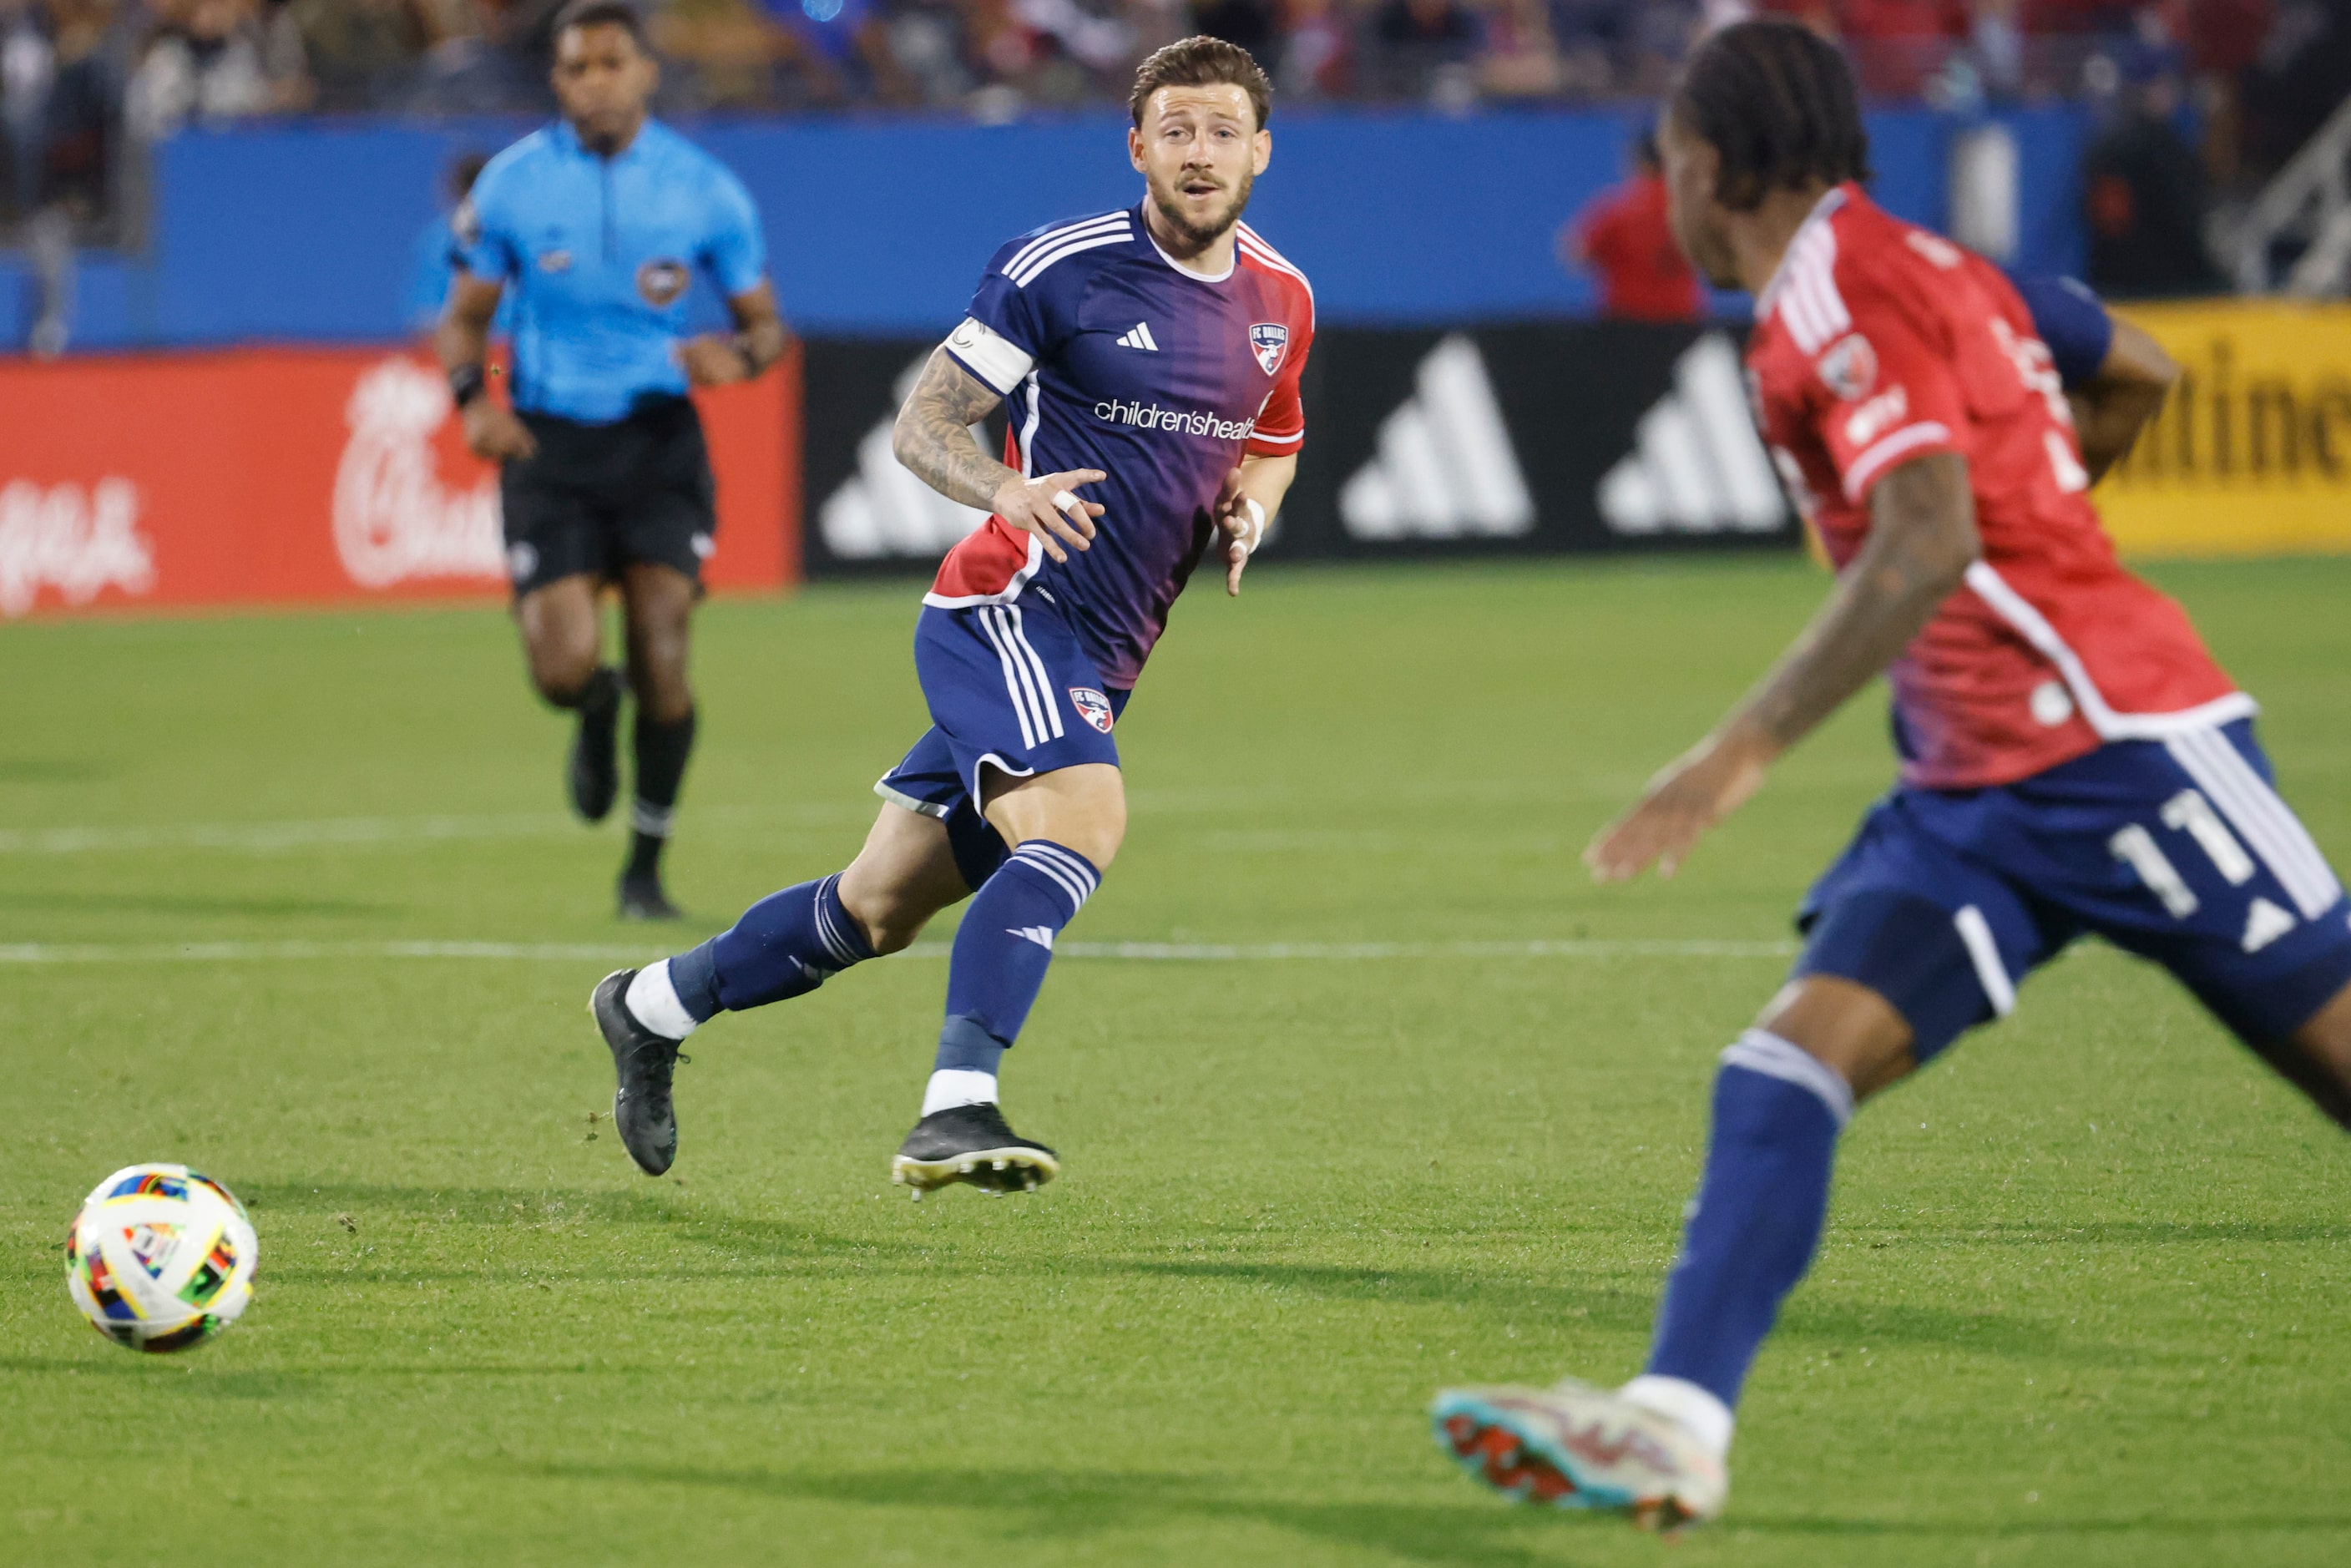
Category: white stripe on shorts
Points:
column 1044, row 681
column 1015, row 679
column 2260, row 818
column 1975, row 935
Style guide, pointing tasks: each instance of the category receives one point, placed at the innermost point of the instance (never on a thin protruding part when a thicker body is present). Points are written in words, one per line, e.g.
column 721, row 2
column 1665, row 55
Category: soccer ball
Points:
column 160, row 1258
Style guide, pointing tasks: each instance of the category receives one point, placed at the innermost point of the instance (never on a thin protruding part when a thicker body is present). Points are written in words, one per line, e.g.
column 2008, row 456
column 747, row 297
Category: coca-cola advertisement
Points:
column 291, row 476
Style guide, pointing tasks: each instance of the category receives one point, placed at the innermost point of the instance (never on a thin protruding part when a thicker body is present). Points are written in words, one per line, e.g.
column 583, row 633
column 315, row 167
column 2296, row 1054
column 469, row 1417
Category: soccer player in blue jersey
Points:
column 591, row 231
column 1150, row 358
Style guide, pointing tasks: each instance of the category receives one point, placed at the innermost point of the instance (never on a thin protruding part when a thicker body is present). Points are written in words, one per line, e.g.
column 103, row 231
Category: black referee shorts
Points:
column 598, row 497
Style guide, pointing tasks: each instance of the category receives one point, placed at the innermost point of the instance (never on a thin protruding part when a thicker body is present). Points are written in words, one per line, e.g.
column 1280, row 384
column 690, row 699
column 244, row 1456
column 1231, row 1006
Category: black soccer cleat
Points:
column 642, row 898
column 593, row 776
column 643, row 1063
column 971, row 1143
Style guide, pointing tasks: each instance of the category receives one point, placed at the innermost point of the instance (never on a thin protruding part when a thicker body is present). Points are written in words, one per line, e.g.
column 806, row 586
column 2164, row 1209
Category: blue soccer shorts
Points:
column 1011, row 688
column 2178, row 850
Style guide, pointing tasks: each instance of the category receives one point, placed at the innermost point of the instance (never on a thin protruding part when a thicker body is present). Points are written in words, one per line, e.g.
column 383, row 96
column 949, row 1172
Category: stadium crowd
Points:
column 84, row 83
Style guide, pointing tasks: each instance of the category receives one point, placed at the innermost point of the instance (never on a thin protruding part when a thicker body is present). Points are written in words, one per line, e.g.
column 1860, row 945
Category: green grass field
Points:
column 2084, row 1299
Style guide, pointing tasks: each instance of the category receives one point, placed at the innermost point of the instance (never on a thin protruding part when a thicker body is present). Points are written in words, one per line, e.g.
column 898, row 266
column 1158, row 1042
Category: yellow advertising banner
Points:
column 2252, row 454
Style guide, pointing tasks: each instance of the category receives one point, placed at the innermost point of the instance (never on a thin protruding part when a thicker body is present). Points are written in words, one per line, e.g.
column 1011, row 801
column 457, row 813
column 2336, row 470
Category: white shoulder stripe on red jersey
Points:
column 1876, row 459
column 1054, row 236
column 1809, row 300
column 1253, row 245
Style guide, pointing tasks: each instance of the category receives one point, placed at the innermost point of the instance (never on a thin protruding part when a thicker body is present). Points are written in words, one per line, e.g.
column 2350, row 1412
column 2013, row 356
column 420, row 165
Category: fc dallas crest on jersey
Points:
column 1269, row 340
column 1092, row 707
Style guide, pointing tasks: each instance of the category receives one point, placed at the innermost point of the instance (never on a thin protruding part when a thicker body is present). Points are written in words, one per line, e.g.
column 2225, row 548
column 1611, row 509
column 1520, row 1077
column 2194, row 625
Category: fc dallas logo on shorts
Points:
column 660, row 282
column 1092, row 707
column 1269, row 340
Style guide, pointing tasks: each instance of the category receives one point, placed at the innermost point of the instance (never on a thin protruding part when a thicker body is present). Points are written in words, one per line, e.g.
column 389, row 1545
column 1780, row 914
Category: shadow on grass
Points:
column 676, row 1214
column 1843, row 1323
column 2138, row 1233
column 1033, row 1503
column 52, row 770
column 1476, row 1531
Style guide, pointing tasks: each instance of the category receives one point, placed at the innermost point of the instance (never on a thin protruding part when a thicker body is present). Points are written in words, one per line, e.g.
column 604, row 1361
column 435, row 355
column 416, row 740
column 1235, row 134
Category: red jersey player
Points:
column 2074, row 761
column 1622, row 235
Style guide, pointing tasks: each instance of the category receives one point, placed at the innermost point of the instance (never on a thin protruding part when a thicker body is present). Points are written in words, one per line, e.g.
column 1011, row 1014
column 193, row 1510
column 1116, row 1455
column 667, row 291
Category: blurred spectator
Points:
column 1318, row 60
column 2145, row 195
column 1521, row 56
column 357, row 50
column 1421, row 48
column 61, row 71
column 436, row 255
column 1254, row 24
column 469, row 64
column 208, row 62
column 1622, row 237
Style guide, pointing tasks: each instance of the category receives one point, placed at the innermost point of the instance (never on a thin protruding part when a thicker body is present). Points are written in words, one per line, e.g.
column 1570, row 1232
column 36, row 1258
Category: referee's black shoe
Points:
column 642, row 897
column 972, row 1144
column 643, row 1063
column 593, row 776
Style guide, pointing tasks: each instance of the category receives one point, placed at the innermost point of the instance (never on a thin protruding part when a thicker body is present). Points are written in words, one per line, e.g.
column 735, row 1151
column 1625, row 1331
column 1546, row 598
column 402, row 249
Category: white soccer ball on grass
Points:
column 160, row 1258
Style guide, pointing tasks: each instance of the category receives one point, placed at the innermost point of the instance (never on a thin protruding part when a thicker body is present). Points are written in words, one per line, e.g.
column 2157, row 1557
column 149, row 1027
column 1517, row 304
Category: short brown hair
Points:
column 1201, row 61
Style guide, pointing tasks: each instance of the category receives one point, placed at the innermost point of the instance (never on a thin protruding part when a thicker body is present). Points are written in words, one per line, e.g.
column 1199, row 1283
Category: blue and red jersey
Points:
column 1110, row 356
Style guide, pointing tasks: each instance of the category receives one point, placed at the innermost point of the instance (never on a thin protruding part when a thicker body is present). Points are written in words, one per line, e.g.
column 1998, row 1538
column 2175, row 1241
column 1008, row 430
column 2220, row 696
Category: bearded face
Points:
column 1200, row 152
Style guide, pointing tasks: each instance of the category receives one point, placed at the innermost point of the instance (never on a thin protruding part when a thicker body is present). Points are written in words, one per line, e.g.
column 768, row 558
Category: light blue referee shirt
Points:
column 598, row 253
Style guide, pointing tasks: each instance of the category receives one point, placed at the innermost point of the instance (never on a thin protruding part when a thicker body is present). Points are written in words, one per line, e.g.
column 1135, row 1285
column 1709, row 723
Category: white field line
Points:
column 1143, row 951
column 279, row 837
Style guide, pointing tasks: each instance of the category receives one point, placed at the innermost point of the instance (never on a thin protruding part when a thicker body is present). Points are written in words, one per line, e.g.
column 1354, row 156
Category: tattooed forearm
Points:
column 932, row 437
column 1922, row 540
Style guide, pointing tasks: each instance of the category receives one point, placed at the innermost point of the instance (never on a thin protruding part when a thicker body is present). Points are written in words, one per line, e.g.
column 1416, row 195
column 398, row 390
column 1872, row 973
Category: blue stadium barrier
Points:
column 305, row 232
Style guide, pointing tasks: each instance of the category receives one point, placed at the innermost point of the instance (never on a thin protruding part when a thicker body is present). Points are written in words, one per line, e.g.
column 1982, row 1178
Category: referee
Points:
column 598, row 224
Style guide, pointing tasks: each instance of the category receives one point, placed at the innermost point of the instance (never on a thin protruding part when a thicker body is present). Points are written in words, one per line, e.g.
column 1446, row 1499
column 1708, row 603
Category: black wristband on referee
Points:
column 467, row 382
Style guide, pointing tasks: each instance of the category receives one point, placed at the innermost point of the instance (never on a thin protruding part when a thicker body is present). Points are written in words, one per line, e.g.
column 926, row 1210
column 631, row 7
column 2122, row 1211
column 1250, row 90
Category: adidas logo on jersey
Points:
column 1445, row 467
column 882, row 510
column 1140, row 337
column 1697, row 466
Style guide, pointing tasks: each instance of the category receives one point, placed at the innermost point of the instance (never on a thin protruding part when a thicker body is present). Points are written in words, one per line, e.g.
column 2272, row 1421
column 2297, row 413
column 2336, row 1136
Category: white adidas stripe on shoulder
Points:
column 1052, row 236
column 1121, row 232
column 1813, row 309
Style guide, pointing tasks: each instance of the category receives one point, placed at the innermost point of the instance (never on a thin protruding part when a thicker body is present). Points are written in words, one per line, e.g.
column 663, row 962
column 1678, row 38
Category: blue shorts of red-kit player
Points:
column 2176, row 850
column 1011, row 688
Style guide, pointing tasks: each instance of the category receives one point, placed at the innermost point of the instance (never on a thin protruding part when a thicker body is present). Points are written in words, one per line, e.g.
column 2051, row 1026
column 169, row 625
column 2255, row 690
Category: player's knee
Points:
column 1845, row 1025
column 561, row 671
column 890, row 917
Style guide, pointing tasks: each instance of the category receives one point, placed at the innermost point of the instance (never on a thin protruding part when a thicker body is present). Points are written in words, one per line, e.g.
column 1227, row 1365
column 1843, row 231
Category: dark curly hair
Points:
column 1778, row 102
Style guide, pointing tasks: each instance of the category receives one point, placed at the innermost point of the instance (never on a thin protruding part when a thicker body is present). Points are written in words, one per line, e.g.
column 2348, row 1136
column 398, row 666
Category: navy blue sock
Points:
column 1002, row 949
column 1751, row 1233
column 786, row 945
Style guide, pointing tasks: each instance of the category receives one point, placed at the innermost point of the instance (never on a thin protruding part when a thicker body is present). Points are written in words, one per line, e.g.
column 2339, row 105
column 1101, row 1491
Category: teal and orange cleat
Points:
column 1575, row 1445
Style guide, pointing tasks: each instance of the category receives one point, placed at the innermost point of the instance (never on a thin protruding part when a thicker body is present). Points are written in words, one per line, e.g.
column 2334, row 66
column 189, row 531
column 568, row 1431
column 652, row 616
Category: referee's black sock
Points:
column 662, row 749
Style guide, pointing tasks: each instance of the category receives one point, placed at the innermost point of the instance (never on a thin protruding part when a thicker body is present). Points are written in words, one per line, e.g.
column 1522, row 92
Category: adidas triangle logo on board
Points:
column 1697, row 466
column 884, row 511
column 1445, row 467
column 1140, row 337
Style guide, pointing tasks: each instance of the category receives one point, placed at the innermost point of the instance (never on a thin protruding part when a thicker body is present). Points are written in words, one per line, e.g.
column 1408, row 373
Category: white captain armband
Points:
column 989, row 355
